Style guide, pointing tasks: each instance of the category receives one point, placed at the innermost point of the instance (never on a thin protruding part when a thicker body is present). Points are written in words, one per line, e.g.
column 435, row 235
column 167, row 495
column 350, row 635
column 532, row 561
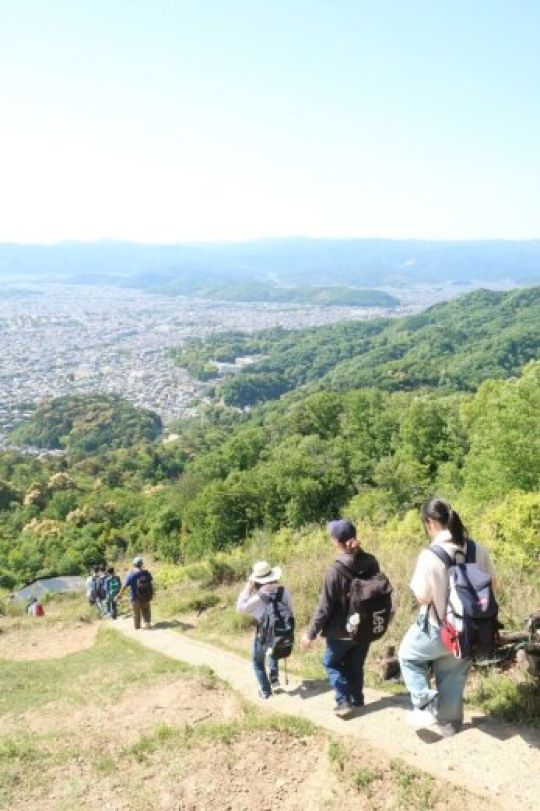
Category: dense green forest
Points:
column 86, row 424
column 377, row 450
column 452, row 346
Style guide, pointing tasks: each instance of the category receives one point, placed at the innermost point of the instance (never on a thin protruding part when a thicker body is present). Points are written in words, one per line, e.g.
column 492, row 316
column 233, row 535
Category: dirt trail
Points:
column 493, row 759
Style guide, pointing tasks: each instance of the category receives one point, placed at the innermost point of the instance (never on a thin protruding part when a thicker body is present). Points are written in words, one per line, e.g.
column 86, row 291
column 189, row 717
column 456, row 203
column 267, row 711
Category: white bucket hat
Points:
column 264, row 573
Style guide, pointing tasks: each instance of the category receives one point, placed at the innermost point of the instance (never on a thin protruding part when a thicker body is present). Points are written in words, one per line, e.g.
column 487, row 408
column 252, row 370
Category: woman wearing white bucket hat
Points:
column 263, row 580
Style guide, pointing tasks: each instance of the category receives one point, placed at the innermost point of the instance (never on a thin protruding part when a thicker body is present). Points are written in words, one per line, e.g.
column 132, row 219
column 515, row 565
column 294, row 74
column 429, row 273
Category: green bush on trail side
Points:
column 507, row 698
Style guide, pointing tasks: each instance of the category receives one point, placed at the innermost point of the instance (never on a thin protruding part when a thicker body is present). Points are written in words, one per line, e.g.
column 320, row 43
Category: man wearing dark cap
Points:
column 344, row 656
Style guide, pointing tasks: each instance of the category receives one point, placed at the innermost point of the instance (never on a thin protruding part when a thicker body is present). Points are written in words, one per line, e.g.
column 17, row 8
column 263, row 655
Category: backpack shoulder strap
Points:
column 279, row 594
column 470, row 556
column 344, row 570
column 442, row 555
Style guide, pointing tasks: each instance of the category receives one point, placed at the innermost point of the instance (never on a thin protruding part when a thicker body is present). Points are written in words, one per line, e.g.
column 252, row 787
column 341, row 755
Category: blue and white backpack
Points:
column 470, row 626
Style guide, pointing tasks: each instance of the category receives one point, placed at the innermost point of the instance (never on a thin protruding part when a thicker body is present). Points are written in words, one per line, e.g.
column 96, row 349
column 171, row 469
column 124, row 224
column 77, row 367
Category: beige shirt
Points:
column 430, row 579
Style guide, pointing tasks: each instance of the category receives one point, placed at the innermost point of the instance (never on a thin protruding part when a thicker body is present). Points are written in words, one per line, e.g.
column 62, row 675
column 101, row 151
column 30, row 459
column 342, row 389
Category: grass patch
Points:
column 507, row 698
column 105, row 765
column 183, row 738
column 337, row 755
column 22, row 765
column 363, row 778
column 401, row 785
column 415, row 789
column 119, row 662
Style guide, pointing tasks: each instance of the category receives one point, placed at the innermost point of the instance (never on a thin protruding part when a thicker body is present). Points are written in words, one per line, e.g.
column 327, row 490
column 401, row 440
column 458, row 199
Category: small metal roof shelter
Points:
column 57, row 585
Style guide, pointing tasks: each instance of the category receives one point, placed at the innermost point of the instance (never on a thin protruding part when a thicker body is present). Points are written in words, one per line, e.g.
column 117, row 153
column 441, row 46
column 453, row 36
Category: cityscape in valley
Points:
column 60, row 339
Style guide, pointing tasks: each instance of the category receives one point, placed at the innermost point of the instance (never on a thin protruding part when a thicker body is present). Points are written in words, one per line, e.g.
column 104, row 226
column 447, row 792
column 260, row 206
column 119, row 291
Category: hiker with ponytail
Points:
column 422, row 650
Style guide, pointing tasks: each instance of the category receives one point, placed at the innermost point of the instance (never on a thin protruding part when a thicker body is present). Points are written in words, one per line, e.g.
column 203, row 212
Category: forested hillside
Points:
column 373, row 450
column 452, row 346
column 87, row 423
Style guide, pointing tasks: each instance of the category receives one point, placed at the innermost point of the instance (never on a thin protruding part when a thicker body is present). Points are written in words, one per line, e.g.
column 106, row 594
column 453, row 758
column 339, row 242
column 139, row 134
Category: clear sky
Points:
column 178, row 120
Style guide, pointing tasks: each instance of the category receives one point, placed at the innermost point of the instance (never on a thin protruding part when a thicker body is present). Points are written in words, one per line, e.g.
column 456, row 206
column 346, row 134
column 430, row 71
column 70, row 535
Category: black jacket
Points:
column 330, row 618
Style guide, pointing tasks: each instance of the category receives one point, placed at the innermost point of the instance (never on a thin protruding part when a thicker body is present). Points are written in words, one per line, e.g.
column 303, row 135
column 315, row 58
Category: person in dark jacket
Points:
column 344, row 657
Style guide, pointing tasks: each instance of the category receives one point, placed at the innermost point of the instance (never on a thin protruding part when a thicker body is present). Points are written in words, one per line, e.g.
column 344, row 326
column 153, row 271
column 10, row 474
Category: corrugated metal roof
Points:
column 56, row 585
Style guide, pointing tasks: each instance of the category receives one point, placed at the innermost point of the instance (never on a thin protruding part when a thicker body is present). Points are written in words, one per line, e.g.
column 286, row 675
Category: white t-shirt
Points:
column 430, row 579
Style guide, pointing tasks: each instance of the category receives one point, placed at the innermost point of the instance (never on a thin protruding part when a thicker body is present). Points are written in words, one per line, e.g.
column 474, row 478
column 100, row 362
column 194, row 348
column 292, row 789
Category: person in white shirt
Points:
column 264, row 579
column 422, row 649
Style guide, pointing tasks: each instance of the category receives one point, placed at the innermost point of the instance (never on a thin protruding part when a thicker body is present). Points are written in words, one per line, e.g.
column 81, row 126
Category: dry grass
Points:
column 123, row 728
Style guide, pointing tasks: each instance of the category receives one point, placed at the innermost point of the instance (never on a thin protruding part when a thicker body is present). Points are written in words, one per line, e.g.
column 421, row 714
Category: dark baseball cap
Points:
column 342, row 530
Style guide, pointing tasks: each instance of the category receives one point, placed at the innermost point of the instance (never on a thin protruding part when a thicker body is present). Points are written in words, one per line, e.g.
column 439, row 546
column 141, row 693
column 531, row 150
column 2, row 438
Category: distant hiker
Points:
column 270, row 605
column 92, row 586
column 101, row 591
column 140, row 583
column 38, row 609
column 35, row 608
column 349, row 629
column 423, row 648
column 113, row 586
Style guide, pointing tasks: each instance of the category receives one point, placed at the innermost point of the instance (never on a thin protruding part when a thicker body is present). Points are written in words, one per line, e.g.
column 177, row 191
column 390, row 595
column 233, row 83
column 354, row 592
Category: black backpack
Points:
column 144, row 588
column 275, row 629
column 369, row 600
column 101, row 589
column 96, row 590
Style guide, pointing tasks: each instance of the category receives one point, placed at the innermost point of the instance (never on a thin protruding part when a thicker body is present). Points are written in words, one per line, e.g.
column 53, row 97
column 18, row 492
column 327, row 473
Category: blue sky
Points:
column 172, row 120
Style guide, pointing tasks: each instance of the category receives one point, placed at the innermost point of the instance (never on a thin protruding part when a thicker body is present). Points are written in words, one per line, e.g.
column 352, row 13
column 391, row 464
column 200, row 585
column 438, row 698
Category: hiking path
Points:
column 490, row 758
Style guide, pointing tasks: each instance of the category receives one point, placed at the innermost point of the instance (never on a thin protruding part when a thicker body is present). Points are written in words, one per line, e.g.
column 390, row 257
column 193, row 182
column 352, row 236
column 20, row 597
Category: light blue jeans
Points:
column 421, row 649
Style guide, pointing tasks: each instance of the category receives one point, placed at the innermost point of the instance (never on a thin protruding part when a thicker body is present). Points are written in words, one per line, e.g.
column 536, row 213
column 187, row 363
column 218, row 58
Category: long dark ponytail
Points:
column 439, row 510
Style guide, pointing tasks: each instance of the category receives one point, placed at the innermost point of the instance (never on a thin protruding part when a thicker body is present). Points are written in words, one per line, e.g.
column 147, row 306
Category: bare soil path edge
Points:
column 489, row 758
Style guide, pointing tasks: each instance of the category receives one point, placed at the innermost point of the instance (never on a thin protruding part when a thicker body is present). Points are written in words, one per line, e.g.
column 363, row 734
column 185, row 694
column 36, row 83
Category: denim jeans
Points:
column 421, row 649
column 112, row 607
column 101, row 605
column 343, row 661
column 259, row 666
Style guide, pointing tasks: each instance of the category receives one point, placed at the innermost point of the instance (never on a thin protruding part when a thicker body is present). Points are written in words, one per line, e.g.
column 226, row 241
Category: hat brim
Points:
column 274, row 575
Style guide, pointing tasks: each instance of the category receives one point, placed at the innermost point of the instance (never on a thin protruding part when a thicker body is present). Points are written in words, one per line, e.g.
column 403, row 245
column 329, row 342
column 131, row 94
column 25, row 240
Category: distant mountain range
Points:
column 367, row 263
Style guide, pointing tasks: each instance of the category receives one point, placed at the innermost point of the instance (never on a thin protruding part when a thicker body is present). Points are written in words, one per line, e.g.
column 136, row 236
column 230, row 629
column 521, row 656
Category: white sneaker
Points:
column 421, row 719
